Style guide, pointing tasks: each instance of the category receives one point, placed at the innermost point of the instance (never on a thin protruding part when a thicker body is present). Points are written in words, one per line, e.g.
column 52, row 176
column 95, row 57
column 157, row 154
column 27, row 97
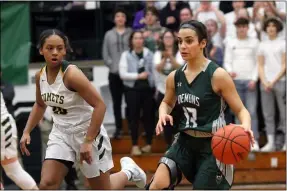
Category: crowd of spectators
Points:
column 248, row 41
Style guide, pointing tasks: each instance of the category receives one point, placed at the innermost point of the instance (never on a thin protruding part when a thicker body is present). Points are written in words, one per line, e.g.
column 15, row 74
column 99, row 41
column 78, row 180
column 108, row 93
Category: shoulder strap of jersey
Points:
column 42, row 70
column 177, row 74
column 64, row 66
column 211, row 68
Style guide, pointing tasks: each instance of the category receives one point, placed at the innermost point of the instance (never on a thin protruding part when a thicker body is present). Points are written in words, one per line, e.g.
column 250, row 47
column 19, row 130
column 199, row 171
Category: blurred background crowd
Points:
column 137, row 41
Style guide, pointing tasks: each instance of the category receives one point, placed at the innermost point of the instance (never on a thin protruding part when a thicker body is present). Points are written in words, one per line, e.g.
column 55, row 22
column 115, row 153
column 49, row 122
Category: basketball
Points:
column 230, row 144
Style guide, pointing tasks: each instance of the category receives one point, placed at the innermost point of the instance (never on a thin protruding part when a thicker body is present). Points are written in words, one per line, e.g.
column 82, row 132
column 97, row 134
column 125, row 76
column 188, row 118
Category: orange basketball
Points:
column 230, row 144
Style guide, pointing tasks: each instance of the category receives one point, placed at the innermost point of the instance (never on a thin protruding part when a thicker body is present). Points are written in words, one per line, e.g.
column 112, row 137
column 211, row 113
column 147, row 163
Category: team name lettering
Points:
column 188, row 98
column 53, row 98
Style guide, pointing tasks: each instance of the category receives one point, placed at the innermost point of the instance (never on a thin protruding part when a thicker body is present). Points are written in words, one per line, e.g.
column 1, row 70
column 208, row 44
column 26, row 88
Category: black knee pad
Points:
column 174, row 173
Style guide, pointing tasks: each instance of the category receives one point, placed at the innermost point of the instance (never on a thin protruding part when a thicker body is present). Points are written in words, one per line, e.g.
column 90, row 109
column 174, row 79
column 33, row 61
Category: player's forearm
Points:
column 164, row 109
column 244, row 117
column 35, row 116
column 96, row 122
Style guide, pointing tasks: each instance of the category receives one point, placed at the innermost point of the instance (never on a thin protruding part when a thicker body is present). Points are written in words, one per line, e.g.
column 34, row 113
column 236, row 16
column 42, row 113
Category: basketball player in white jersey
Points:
column 9, row 152
column 78, row 133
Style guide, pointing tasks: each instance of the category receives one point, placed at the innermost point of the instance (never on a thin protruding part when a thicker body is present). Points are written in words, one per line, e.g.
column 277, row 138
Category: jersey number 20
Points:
column 191, row 116
column 58, row 110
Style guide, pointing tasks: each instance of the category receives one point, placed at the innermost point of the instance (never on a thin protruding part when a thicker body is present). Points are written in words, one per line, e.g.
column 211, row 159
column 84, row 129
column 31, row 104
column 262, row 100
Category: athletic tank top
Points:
column 201, row 108
column 69, row 109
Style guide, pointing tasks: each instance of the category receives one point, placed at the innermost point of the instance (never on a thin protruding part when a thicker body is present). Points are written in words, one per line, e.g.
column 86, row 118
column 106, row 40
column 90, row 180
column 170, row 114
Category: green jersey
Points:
column 201, row 108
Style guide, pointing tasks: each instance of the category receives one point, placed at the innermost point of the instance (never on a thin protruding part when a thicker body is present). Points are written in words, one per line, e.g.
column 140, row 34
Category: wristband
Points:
column 88, row 139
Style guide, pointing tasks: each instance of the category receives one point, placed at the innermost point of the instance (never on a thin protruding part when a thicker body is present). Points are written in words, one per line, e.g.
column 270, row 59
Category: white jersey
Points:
column 4, row 111
column 70, row 110
column 8, row 133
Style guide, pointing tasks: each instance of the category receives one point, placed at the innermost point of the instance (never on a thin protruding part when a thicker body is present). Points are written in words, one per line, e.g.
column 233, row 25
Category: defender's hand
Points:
column 162, row 121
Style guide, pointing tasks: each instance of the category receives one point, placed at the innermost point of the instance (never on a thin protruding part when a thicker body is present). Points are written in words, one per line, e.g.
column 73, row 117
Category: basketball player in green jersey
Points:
column 201, row 88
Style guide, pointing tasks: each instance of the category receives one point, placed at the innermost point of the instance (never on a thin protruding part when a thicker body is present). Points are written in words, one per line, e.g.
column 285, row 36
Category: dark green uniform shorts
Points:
column 194, row 157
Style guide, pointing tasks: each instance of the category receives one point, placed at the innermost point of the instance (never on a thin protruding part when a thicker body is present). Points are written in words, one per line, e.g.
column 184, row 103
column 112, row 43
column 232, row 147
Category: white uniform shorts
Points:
column 8, row 137
column 66, row 146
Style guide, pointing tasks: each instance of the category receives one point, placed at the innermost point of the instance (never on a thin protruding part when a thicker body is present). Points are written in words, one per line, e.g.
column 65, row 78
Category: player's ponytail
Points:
column 200, row 30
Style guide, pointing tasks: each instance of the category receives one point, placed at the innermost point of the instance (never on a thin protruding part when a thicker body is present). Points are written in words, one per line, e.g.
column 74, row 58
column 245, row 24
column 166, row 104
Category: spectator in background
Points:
column 231, row 30
column 139, row 20
column 136, row 71
column 230, row 17
column 265, row 10
column 206, row 11
column 194, row 5
column 272, row 73
column 240, row 63
column 115, row 43
column 152, row 29
column 165, row 60
column 215, row 46
column 169, row 15
column 185, row 14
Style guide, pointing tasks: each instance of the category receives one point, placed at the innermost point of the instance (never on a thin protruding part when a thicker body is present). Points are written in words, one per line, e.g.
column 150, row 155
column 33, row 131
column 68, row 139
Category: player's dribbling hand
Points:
column 86, row 152
column 25, row 139
column 162, row 121
column 249, row 131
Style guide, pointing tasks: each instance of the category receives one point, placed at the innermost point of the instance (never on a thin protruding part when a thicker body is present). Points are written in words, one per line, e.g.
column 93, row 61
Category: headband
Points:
column 187, row 25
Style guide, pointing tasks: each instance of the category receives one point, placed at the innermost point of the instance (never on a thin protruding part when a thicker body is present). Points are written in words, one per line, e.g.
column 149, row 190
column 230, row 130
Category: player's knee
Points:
column 159, row 184
column 48, row 184
column 166, row 177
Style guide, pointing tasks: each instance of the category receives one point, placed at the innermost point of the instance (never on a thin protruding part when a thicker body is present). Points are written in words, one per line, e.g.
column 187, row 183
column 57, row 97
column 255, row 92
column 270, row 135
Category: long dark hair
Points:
column 200, row 30
column 162, row 46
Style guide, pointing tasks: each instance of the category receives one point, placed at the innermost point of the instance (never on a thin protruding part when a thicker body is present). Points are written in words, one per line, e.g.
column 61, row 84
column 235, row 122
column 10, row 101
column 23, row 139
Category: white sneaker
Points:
column 136, row 151
column 269, row 147
column 146, row 149
column 138, row 175
column 284, row 147
column 255, row 147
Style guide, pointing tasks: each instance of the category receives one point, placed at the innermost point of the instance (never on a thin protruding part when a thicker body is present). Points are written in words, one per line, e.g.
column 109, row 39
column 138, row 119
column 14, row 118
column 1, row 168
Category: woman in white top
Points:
column 272, row 69
column 165, row 60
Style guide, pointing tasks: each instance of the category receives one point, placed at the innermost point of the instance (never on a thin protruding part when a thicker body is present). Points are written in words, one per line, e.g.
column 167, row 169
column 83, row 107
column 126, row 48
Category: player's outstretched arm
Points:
column 167, row 104
column 35, row 116
column 224, row 86
column 77, row 81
